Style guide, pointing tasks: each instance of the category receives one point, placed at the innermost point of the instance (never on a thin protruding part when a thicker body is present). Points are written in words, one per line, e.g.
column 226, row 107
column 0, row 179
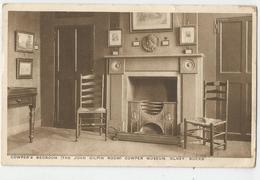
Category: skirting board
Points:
column 157, row 139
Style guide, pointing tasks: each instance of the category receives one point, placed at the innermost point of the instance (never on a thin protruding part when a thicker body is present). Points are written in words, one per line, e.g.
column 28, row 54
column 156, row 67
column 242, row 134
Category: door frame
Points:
column 233, row 135
column 56, row 60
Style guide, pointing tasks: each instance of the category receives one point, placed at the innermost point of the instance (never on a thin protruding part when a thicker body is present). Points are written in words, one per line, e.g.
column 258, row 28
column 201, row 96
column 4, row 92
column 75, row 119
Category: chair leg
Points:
column 185, row 134
column 204, row 136
column 225, row 137
column 106, row 128
column 211, row 139
column 101, row 126
column 131, row 127
column 77, row 126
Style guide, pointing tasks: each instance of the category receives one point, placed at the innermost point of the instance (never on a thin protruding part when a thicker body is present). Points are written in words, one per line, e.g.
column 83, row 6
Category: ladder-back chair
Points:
column 91, row 104
column 211, row 128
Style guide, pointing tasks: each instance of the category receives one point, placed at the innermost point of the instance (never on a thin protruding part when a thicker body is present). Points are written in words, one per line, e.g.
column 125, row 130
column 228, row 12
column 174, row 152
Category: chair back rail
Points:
column 216, row 83
column 218, row 92
column 91, row 90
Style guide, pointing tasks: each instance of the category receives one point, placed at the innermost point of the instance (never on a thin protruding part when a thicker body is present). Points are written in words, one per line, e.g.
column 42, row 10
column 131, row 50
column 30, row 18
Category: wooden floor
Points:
column 57, row 141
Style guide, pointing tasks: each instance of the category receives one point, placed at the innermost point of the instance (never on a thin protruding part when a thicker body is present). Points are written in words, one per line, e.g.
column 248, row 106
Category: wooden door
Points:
column 74, row 56
column 234, row 60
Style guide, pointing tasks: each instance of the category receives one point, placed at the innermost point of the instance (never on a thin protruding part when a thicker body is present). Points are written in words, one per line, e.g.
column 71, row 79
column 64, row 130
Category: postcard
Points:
column 128, row 85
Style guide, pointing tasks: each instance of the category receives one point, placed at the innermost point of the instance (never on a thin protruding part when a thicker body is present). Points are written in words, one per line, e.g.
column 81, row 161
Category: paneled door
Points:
column 234, row 63
column 74, row 56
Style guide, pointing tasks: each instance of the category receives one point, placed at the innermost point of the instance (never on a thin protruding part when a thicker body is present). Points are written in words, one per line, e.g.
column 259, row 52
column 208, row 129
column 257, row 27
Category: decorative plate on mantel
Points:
column 150, row 42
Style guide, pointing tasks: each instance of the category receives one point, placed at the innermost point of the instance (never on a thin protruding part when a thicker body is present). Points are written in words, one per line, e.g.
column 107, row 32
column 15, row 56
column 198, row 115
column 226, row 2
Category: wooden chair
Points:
column 211, row 128
column 91, row 104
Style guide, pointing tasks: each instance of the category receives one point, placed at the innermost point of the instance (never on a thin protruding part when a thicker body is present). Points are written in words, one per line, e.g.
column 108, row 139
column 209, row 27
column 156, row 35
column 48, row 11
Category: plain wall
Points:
column 29, row 22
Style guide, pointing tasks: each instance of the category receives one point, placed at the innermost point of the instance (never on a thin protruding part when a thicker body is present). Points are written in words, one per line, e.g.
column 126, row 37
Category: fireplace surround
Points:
column 170, row 86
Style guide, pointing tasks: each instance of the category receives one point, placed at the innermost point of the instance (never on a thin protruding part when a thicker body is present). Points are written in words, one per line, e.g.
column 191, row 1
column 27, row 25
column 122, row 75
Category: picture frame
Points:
column 188, row 35
column 146, row 22
column 24, row 68
column 24, row 41
column 115, row 38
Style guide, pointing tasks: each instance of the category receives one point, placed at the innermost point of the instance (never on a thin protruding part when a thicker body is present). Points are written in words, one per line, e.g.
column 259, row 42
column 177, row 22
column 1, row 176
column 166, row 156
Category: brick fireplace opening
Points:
column 152, row 105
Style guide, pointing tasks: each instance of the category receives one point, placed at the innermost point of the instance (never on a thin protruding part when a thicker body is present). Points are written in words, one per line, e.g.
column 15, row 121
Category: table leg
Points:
column 185, row 134
column 211, row 139
column 31, row 122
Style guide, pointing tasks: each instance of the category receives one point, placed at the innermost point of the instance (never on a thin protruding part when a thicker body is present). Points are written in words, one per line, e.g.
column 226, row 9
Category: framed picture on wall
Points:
column 188, row 35
column 24, row 68
column 115, row 38
column 24, row 41
column 145, row 21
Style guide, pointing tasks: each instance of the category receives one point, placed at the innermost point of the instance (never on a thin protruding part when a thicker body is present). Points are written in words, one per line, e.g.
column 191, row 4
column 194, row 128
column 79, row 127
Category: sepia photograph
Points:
column 150, row 21
column 110, row 85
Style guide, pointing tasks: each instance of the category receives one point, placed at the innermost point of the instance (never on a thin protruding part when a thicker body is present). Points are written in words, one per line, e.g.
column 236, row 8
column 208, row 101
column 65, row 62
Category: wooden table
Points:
column 24, row 96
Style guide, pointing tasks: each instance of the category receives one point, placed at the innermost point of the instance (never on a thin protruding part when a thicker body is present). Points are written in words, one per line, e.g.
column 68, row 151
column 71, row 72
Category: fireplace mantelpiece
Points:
column 153, row 55
column 187, row 68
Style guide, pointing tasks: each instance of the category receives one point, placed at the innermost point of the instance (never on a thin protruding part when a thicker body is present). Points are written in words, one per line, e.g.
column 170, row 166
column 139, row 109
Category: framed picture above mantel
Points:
column 149, row 21
column 115, row 38
column 188, row 35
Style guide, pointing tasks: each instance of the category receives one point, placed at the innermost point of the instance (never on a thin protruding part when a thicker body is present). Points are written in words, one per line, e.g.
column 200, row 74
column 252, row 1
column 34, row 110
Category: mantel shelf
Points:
column 154, row 56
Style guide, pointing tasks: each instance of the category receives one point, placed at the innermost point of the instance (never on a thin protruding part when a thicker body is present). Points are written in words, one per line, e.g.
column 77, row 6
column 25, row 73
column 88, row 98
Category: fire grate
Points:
column 149, row 117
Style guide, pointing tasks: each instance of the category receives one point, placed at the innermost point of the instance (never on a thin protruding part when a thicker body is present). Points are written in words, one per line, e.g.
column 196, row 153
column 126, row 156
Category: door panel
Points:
column 85, row 50
column 64, row 76
column 234, row 60
column 66, row 50
column 231, row 47
column 234, row 123
column 249, row 45
column 66, row 115
column 248, row 108
column 74, row 55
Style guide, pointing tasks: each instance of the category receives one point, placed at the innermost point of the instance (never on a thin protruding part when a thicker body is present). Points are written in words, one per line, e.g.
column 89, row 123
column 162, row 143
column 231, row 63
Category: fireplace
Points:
column 152, row 105
column 151, row 95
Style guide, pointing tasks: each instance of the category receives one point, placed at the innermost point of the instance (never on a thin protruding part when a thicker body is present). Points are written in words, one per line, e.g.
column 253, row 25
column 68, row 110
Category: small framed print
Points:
column 115, row 53
column 115, row 38
column 165, row 43
column 187, row 51
column 136, row 43
column 188, row 35
column 24, row 41
column 24, row 68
